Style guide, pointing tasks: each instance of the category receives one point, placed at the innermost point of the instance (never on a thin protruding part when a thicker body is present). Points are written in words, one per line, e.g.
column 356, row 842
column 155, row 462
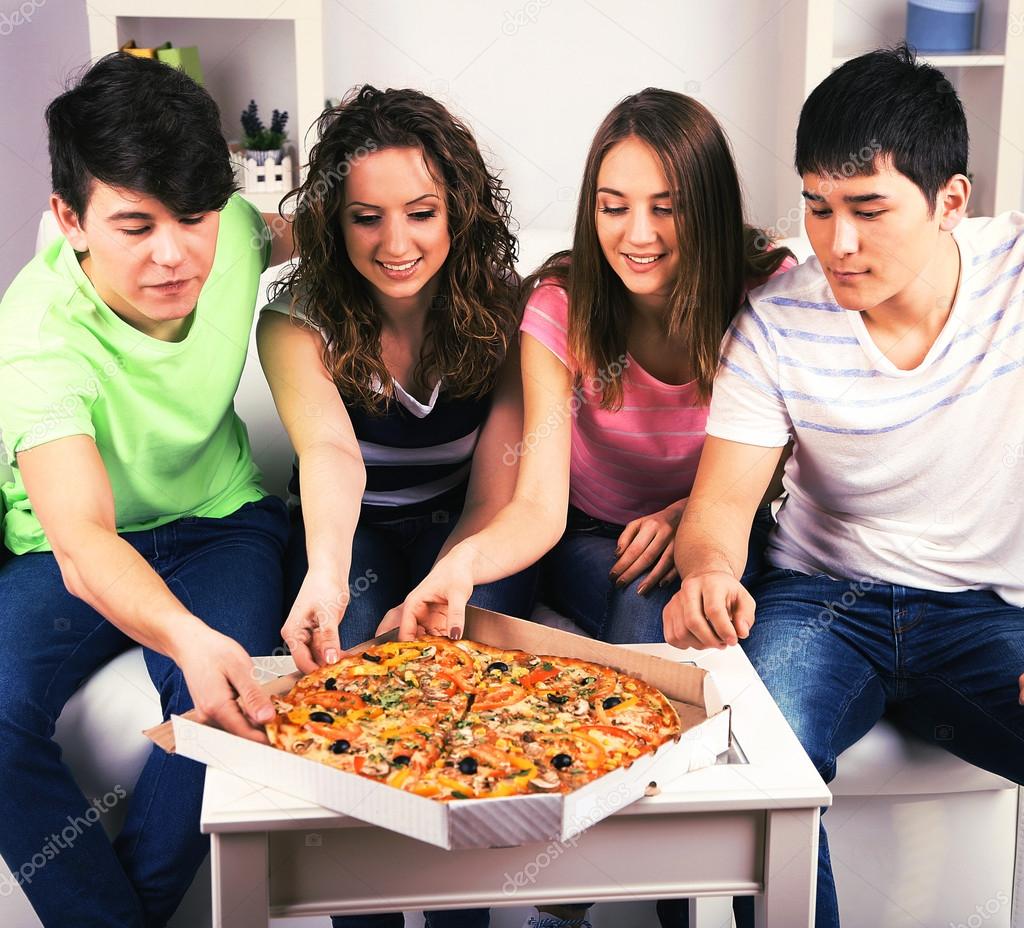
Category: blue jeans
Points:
column 389, row 559
column 229, row 573
column 575, row 580
column 455, row 918
column 837, row 654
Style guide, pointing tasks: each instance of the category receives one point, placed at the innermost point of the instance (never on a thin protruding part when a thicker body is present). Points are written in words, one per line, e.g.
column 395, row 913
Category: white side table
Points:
column 738, row 828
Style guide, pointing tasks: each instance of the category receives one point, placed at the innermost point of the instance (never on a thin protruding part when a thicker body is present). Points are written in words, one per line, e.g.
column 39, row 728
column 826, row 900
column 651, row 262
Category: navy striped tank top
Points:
column 417, row 455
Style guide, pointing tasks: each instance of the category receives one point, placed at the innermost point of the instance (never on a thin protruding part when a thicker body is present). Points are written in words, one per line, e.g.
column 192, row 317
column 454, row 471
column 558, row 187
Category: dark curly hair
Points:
column 142, row 125
column 473, row 317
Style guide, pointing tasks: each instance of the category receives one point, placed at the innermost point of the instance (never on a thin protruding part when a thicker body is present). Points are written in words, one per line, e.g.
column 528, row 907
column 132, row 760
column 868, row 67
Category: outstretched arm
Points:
column 524, row 529
column 332, row 478
column 70, row 493
column 712, row 609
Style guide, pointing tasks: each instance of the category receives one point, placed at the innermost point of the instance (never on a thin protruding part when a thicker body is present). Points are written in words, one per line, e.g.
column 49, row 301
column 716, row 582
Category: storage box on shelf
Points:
column 917, row 836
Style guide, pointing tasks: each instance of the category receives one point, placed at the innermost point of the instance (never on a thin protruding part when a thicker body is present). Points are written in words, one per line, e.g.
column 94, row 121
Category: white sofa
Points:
column 918, row 837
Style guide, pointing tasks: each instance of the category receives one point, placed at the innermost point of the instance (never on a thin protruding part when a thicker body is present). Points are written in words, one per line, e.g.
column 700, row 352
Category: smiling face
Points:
column 634, row 220
column 145, row 262
column 875, row 239
column 395, row 223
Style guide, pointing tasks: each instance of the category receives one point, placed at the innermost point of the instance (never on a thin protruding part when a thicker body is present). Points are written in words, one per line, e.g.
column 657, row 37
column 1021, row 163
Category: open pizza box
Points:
column 481, row 823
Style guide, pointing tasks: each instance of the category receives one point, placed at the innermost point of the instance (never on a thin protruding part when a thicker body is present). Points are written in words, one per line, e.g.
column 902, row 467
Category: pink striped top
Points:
column 640, row 458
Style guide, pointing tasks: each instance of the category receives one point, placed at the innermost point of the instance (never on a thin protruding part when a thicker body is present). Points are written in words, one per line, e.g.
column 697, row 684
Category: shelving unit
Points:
column 820, row 35
column 249, row 49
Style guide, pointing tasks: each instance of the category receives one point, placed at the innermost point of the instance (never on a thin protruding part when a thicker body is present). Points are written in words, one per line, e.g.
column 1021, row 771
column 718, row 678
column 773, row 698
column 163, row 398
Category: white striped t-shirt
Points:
column 910, row 477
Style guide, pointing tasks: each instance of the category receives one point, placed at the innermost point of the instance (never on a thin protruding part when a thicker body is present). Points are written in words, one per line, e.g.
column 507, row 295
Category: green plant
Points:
column 258, row 137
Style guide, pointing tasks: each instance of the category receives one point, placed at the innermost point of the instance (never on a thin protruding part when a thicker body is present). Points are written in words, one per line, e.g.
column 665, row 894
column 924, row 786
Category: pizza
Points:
column 463, row 720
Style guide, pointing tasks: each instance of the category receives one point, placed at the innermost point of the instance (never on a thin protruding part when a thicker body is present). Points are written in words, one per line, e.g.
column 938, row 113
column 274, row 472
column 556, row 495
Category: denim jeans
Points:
column 226, row 571
column 574, row 578
column 455, row 918
column 837, row 654
column 389, row 559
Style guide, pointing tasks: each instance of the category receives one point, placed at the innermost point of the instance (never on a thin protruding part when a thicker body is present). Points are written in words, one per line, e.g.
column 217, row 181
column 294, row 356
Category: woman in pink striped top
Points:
column 619, row 349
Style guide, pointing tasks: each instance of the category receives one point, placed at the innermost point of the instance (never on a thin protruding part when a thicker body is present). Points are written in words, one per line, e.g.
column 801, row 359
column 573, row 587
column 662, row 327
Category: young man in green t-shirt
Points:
column 135, row 513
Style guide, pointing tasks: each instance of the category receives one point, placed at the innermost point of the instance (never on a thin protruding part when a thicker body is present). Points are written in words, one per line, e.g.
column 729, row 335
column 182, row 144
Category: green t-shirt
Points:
column 161, row 413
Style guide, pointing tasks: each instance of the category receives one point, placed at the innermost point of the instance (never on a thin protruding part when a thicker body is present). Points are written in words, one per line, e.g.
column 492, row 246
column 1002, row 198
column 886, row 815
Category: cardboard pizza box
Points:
column 481, row 823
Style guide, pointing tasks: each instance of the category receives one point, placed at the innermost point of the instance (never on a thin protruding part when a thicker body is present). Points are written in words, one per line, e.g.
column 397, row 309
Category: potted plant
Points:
column 260, row 143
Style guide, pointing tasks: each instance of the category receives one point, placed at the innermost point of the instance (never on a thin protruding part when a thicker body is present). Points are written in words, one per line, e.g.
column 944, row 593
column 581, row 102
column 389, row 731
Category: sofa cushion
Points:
column 890, row 762
column 100, row 729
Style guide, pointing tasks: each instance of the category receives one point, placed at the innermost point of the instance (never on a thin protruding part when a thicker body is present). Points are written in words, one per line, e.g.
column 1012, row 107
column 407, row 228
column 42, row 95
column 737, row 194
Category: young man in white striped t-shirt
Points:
column 893, row 360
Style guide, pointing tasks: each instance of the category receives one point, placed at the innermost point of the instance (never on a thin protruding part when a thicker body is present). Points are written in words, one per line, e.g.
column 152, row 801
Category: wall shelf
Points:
column 262, row 49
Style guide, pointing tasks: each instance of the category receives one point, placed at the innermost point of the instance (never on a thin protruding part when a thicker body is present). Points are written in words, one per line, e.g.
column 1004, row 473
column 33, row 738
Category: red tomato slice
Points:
column 621, row 733
column 457, row 678
column 505, row 695
column 538, row 676
column 450, row 655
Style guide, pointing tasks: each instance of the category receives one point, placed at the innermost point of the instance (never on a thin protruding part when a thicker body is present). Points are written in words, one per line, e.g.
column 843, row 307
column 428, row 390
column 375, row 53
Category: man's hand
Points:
column 711, row 610
column 311, row 629
column 438, row 605
column 218, row 672
column 646, row 543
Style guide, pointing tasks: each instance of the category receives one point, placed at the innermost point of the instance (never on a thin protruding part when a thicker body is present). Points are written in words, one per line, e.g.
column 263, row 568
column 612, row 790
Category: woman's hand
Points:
column 311, row 629
column 646, row 544
column 437, row 606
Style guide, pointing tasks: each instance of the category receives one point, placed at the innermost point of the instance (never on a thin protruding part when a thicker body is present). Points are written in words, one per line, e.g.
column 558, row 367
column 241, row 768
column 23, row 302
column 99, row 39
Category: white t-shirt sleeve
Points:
column 747, row 404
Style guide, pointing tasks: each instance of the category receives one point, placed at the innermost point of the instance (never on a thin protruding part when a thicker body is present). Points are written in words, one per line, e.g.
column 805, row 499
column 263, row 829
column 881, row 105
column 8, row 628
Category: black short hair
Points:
column 139, row 124
column 884, row 104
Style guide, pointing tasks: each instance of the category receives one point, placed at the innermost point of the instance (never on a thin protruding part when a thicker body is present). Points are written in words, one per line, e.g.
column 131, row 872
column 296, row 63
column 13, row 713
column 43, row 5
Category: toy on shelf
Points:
column 185, row 58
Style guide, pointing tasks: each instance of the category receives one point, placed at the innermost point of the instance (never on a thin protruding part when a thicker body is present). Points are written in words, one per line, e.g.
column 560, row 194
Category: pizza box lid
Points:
column 481, row 823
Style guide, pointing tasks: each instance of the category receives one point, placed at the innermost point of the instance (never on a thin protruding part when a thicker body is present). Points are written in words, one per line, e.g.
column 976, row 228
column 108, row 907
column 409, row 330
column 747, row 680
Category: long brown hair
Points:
column 473, row 317
column 720, row 254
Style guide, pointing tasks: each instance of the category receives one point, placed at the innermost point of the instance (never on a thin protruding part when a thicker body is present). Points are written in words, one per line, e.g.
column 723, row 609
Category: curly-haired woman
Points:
column 392, row 355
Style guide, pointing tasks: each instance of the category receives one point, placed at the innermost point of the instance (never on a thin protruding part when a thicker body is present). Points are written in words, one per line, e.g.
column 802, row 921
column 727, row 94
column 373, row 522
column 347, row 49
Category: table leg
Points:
column 240, row 878
column 711, row 912
column 790, row 870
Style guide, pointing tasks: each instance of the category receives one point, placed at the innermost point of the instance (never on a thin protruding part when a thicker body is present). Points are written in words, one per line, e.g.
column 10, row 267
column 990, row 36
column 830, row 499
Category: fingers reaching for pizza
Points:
column 219, row 675
column 311, row 629
column 1021, row 683
column 711, row 610
column 437, row 606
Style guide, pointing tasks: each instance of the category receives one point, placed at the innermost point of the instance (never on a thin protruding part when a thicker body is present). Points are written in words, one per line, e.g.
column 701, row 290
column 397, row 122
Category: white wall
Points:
column 535, row 77
column 42, row 42
column 532, row 77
